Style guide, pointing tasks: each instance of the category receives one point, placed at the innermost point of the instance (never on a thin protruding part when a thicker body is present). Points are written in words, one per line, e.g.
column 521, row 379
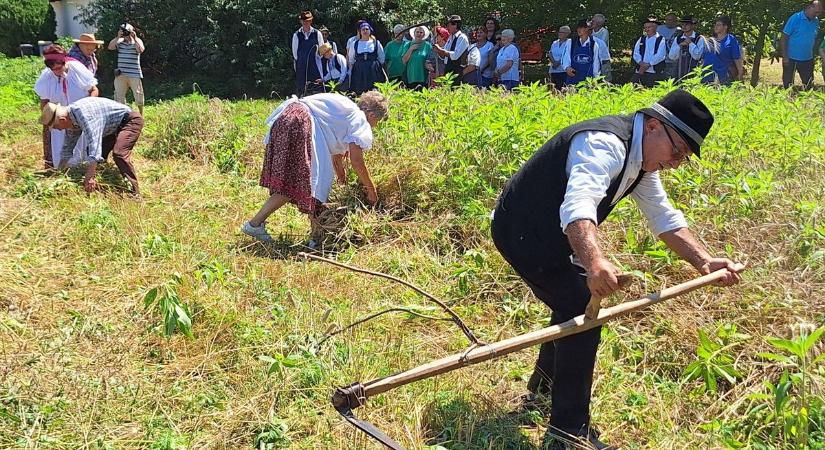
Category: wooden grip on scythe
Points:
column 347, row 398
column 595, row 304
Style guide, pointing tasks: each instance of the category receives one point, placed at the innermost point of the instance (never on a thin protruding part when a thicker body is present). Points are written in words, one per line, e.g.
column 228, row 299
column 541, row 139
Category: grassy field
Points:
column 85, row 363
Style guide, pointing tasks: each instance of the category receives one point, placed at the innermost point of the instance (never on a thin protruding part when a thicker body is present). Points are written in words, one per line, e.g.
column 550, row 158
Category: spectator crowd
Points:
column 487, row 55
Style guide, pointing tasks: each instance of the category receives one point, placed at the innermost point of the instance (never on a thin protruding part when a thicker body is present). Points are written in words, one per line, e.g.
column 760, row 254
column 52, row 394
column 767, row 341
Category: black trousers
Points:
column 565, row 365
column 805, row 69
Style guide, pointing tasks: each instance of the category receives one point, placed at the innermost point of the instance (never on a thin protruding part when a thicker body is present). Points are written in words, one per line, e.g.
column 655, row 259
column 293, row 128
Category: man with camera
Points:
column 128, row 74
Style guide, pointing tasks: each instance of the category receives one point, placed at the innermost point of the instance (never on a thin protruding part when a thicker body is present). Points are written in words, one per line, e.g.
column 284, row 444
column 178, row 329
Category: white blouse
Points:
column 336, row 122
column 364, row 47
column 65, row 90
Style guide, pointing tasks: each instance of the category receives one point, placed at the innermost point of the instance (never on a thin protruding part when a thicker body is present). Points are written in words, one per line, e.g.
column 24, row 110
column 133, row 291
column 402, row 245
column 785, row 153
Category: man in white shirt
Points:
column 649, row 55
column 545, row 226
column 669, row 30
column 581, row 56
column 603, row 39
column 454, row 51
column 687, row 49
column 305, row 43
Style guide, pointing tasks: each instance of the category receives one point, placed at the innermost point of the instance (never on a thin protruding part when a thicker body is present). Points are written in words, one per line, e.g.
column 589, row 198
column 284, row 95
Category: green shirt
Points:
column 392, row 54
column 416, row 73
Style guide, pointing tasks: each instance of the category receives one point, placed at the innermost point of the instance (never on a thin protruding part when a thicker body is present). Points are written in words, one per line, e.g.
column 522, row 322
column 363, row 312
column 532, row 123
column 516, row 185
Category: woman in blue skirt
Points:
column 365, row 56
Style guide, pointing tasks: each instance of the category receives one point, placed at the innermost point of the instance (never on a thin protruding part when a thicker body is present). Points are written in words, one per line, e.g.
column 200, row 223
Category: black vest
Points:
column 456, row 66
column 527, row 223
column 686, row 63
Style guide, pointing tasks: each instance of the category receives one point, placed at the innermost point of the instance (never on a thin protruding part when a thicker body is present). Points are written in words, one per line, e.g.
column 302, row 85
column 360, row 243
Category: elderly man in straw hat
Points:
column 546, row 226
column 84, row 51
column 108, row 126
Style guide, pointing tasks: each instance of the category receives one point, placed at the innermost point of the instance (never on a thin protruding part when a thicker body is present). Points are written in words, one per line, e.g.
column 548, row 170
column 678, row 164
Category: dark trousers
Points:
column 805, row 69
column 565, row 365
column 646, row 79
column 120, row 145
column 558, row 80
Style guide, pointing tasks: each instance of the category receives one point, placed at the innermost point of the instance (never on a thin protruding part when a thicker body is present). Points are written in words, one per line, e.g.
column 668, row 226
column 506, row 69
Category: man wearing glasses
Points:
column 545, row 226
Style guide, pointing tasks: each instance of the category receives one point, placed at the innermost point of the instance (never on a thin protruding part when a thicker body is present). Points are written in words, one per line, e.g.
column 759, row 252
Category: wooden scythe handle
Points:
column 514, row 344
column 595, row 304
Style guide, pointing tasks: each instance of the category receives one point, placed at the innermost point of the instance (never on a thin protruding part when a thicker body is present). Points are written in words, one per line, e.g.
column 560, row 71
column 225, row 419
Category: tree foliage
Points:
column 24, row 21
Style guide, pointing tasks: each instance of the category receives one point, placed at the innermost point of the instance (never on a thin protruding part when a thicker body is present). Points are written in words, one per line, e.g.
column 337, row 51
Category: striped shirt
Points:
column 128, row 59
column 96, row 117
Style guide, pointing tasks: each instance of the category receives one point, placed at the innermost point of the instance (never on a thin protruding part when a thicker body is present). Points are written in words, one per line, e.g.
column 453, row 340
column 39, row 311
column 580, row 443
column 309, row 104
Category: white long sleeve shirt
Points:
column 568, row 46
column 364, row 47
column 306, row 36
column 595, row 160
column 334, row 73
column 461, row 44
column 651, row 56
column 696, row 48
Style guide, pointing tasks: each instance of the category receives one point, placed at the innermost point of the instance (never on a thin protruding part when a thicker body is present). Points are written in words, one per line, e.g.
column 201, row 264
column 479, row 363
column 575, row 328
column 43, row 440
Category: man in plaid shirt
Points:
column 109, row 126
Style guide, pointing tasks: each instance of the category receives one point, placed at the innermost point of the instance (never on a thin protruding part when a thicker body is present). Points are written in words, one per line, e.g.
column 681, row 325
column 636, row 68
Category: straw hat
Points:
column 426, row 32
column 50, row 112
column 87, row 38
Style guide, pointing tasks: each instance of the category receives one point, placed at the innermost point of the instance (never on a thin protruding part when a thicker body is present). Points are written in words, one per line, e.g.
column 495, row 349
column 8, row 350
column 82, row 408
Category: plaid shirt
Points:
column 97, row 117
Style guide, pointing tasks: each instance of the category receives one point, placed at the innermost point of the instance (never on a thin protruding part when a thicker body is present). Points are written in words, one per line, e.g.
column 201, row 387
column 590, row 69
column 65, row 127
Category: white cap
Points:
column 508, row 33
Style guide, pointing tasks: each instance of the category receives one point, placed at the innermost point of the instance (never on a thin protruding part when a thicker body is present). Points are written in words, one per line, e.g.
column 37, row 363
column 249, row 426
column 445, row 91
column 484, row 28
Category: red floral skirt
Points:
column 288, row 157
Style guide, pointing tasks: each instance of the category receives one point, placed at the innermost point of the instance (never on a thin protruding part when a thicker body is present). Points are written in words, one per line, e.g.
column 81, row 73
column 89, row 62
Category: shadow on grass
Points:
column 460, row 425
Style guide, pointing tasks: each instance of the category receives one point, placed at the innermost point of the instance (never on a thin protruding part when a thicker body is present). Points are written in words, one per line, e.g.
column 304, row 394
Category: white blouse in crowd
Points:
column 604, row 52
column 604, row 35
column 651, row 56
column 65, row 90
column 339, row 74
column 595, row 160
column 462, row 43
column 597, row 60
column 336, row 122
column 509, row 53
column 364, row 47
column 696, row 48
column 484, row 53
column 557, row 51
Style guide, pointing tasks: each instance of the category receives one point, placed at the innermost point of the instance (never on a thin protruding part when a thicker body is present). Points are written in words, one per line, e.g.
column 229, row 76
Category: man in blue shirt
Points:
column 797, row 44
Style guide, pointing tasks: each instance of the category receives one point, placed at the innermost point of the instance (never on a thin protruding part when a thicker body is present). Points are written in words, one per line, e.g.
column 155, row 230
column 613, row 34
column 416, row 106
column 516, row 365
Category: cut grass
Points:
column 84, row 364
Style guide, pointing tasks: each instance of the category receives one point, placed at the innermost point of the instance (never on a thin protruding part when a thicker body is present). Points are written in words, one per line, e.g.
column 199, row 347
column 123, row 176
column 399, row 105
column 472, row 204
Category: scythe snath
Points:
column 346, row 399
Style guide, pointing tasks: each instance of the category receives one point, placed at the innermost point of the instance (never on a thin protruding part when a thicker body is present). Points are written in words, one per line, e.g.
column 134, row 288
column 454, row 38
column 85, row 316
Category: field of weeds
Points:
column 156, row 324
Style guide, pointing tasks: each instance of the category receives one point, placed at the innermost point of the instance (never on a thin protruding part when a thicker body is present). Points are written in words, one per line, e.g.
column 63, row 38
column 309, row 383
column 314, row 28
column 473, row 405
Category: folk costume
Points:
column 367, row 60
column 304, row 48
column 688, row 57
column 582, row 173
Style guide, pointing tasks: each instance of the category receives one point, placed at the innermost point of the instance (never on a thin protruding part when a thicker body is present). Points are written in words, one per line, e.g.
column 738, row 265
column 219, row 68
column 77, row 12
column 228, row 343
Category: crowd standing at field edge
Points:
column 487, row 56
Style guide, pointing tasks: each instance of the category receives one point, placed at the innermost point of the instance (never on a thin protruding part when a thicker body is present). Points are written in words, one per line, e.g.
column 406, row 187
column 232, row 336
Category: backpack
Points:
column 658, row 68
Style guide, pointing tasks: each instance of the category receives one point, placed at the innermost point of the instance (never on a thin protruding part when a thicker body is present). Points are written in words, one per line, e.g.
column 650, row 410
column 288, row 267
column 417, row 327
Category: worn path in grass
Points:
column 84, row 365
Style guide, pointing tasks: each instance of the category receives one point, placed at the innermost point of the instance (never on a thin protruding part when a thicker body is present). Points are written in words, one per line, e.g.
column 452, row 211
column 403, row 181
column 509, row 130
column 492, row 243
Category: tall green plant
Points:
column 174, row 312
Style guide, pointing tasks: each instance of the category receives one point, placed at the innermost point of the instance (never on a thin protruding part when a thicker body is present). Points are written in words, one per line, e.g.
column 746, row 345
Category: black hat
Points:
column 650, row 19
column 454, row 18
column 689, row 19
column 686, row 114
column 583, row 23
column 305, row 15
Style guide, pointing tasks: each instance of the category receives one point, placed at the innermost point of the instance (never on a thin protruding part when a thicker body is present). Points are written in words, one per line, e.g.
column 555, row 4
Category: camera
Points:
column 124, row 29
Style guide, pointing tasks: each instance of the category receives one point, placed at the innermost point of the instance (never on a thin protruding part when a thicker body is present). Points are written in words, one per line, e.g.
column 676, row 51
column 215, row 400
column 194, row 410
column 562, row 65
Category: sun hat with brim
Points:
column 689, row 19
column 87, row 38
column 651, row 19
column 426, row 32
column 49, row 113
column 305, row 15
column 686, row 114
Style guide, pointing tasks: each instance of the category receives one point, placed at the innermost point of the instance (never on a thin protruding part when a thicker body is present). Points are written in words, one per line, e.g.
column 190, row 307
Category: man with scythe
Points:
column 545, row 225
